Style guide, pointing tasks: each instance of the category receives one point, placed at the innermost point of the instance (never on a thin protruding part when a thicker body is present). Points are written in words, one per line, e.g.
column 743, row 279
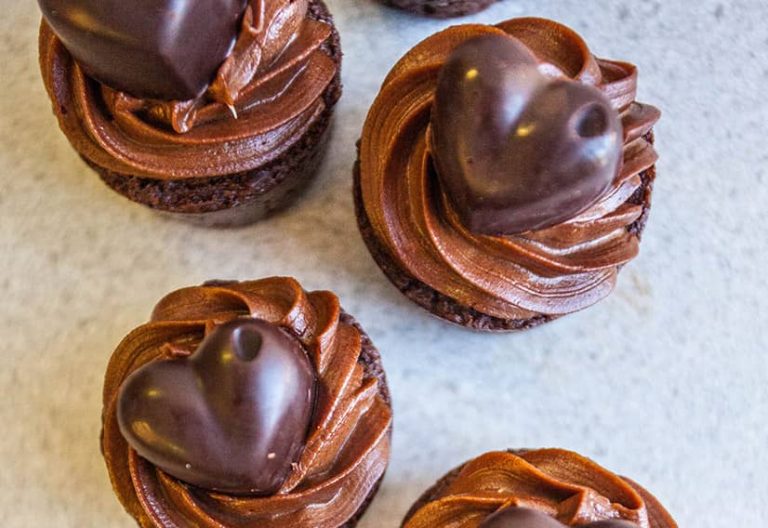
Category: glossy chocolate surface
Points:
column 520, row 518
column 529, row 518
column 612, row 524
column 518, row 150
column 231, row 417
column 160, row 49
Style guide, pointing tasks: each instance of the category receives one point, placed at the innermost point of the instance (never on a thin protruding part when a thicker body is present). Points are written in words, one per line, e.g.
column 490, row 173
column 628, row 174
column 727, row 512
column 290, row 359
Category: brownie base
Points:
column 245, row 197
column 449, row 309
column 440, row 8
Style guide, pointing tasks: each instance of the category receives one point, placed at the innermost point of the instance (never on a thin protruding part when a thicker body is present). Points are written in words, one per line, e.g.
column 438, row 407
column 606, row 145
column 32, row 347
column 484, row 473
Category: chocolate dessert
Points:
column 543, row 488
column 246, row 404
column 213, row 111
column 504, row 174
column 441, row 8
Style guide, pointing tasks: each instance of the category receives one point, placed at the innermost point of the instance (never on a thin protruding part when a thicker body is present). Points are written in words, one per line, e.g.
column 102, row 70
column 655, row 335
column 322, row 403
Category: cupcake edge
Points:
column 447, row 308
column 371, row 359
column 441, row 8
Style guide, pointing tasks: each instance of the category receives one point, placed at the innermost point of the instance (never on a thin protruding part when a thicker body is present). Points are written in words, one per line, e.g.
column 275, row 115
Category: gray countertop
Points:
column 666, row 381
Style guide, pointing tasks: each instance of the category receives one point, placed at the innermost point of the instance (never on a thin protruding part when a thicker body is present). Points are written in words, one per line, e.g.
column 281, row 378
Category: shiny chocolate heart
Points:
column 611, row 524
column 528, row 518
column 231, row 417
column 161, row 49
column 520, row 518
column 516, row 150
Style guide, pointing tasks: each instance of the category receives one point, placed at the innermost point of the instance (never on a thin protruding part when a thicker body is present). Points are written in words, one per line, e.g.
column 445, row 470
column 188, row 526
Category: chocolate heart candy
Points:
column 528, row 518
column 516, row 150
column 611, row 524
column 162, row 49
column 231, row 417
column 520, row 518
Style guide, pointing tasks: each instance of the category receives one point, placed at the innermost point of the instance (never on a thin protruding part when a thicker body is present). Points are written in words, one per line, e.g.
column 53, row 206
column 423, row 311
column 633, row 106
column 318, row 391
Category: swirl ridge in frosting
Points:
column 265, row 96
column 572, row 489
column 347, row 450
column 548, row 272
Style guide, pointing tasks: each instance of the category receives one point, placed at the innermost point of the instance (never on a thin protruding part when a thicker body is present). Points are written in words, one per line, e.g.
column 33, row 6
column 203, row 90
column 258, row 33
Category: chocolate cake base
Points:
column 245, row 197
column 440, row 8
column 450, row 309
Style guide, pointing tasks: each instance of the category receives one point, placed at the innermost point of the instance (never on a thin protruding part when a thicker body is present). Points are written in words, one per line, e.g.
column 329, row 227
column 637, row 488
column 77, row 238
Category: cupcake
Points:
column 215, row 112
column 441, row 8
column 504, row 174
column 545, row 488
column 246, row 404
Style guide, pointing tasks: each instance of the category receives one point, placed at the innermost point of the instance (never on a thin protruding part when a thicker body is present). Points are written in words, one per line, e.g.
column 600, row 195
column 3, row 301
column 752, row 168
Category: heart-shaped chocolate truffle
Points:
column 528, row 518
column 520, row 518
column 231, row 417
column 516, row 150
column 611, row 524
column 161, row 49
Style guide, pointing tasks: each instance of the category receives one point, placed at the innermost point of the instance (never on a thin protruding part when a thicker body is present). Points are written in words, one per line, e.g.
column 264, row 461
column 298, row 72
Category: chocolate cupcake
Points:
column 441, row 8
column 246, row 404
column 504, row 174
column 545, row 488
column 215, row 112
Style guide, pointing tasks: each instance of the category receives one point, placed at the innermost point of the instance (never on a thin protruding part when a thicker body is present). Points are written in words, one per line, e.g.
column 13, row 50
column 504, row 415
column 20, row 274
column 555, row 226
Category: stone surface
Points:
column 665, row 381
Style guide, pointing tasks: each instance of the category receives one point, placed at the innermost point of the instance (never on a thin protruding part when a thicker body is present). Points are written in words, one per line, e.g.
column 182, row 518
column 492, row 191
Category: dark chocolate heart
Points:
column 516, row 150
column 520, row 518
column 528, row 518
column 231, row 417
column 162, row 49
column 611, row 524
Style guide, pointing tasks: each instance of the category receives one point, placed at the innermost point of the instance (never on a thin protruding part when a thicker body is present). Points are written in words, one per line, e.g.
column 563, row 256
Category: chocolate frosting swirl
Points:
column 572, row 489
column 347, row 450
column 264, row 98
column 552, row 271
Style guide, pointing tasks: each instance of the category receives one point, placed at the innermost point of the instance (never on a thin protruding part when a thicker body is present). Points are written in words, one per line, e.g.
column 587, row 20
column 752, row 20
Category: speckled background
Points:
column 667, row 381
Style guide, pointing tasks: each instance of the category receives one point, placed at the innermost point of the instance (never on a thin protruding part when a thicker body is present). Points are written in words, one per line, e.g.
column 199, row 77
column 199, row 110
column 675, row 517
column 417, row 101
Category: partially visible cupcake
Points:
column 505, row 174
column 215, row 112
column 544, row 488
column 441, row 8
column 246, row 404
